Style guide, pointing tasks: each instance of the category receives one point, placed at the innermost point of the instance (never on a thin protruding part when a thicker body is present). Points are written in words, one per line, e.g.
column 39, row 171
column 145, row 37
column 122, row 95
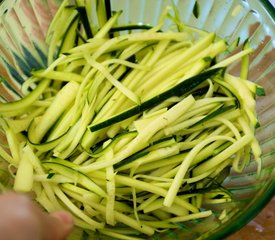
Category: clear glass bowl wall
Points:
column 23, row 26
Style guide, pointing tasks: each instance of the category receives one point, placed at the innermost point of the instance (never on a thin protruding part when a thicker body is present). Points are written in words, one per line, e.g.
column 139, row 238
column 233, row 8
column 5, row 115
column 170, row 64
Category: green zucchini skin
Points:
column 26, row 101
column 217, row 112
column 67, row 170
column 178, row 90
column 100, row 150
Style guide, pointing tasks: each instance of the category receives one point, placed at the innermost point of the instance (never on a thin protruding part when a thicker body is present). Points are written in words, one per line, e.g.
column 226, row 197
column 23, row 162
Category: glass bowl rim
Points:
column 269, row 191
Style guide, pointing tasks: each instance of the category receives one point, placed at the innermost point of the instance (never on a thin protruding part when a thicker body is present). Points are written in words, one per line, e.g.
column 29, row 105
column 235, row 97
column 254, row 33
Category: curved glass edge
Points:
column 257, row 205
column 269, row 7
column 251, row 213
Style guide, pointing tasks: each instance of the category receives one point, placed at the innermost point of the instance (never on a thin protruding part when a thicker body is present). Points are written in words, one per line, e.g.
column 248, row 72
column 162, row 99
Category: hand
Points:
column 22, row 219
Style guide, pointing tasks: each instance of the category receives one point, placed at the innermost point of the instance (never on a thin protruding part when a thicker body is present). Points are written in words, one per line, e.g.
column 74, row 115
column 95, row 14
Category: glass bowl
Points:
column 23, row 26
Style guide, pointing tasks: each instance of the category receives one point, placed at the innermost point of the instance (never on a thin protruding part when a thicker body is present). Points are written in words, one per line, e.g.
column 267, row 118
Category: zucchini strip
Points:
column 177, row 181
column 114, row 81
column 23, row 181
column 27, row 100
column 66, row 97
column 180, row 89
column 143, row 138
column 93, row 224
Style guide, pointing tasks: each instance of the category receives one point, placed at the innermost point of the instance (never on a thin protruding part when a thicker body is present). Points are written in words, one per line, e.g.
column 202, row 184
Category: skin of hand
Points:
column 22, row 219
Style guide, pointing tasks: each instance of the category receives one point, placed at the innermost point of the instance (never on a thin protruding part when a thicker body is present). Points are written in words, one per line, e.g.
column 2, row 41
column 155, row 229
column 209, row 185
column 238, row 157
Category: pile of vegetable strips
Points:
column 131, row 128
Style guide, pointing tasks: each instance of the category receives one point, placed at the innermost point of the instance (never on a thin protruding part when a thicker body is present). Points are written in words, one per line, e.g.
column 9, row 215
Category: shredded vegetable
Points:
column 130, row 128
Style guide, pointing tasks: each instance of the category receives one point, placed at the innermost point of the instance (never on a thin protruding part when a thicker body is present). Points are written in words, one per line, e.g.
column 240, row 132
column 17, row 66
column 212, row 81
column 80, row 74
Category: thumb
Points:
column 57, row 225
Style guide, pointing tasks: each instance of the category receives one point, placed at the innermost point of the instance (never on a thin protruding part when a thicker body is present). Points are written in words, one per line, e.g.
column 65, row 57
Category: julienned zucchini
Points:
column 24, row 103
column 67, row 170
column 182, row 88
column 215, row 113
column 115, row 144
column 130, row 125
